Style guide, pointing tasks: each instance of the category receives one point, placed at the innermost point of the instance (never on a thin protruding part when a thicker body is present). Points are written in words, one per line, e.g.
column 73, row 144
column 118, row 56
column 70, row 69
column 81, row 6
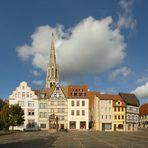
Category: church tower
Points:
column 52, row 76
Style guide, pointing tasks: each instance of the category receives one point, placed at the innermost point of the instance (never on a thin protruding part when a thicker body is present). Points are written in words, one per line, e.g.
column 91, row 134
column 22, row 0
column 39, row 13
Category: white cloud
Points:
column 38, row 82
column 123, row 71
column 91, row 46
column 142, row 79
column 35, row 73
column 141, row 91
column 126, row 19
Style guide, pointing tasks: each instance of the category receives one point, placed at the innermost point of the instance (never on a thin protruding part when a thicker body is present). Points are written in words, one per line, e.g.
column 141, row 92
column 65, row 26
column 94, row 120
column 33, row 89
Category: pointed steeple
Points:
column 52, row 51
column 52, row 77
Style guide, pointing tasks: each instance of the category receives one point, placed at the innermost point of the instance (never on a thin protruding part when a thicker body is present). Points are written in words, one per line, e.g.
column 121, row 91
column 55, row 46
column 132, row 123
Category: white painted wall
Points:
column 22, row 96
column 75, row 117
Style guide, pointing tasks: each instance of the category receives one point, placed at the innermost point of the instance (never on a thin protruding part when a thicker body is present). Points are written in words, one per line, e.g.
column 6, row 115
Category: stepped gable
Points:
column 143, row 109
column 130, row 99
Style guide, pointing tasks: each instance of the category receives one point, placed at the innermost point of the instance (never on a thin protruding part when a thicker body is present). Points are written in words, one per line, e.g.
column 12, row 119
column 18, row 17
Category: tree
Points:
column 11, row 116
column 2, row 103
column 16, row 115
column 4, row 117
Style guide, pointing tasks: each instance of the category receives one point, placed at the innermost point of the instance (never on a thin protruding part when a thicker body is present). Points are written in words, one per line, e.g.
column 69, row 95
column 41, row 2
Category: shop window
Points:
column 83, row 125
column 72, row 124
column 120, row 126
column 31, row 124
column 42, row 125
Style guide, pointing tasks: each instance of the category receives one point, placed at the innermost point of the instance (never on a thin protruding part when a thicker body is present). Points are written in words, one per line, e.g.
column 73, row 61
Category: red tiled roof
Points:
column 113, row 97
column 143, row 110
column 130, row 99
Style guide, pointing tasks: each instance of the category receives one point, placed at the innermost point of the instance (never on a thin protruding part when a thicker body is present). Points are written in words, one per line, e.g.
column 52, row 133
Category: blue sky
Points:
column 101, row 43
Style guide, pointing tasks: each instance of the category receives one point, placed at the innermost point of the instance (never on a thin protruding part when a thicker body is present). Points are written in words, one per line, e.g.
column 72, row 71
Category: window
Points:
column 122, row 116
column 30, row 112
column 109, row 108
column 45, row 105
column 61, row 110
column 41, row 105
column 41, row 114
column 72, row 124
column 62, row 117
column 52, row 110
column 119, row 117
column 109, row 116
column 21, row 103
column 83, row 125
column 78, row 112
column 109, row 101
column 72, row 112
column 31, row 124
column 105, row 116
column 45, row 114
column 115, row 117
column 23, row 95
column 52, row 102
column 120, row 126
column 72, row 103
column 105, row 108
column 83, row 103
column 102, row 116
column 118, row 109
column 42, row 125
column 122, row 109
column 115, row 109
column 83, row 112
column 78, row 103
column 30, row 103
column 28, row 94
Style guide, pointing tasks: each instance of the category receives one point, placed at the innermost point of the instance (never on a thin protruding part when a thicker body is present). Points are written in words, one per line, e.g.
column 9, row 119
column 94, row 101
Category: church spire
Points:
column 52, row 77
column 52, row 51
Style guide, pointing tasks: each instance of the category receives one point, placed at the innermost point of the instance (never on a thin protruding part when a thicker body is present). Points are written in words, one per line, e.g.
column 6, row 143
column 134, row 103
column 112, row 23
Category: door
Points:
column 114, row 127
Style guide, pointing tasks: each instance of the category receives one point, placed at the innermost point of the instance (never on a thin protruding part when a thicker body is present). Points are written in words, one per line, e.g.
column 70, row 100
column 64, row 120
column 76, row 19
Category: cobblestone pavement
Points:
column 75, row 139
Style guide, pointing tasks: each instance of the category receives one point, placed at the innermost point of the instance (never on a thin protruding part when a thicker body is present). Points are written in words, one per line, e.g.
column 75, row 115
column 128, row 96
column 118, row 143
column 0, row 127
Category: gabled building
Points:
column 118, row 113
column 27, row 100
column 132, row 111
column 103, row 112
column 52, row 105
column 143, row 115
column 78, row 108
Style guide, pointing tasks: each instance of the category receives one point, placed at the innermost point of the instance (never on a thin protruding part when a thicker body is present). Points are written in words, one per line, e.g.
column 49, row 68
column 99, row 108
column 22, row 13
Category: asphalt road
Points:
column 75, row 139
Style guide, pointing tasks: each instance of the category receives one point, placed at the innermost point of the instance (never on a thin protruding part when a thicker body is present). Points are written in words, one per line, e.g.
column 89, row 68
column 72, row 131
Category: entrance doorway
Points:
column 53, row 122
column 114, row 127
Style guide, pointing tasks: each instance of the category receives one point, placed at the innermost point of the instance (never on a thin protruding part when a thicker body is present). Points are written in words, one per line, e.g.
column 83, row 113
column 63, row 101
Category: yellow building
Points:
column 118, row 114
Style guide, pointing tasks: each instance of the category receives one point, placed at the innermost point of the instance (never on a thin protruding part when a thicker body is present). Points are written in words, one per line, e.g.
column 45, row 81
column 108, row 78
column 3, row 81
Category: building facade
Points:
column 143, row 116
column 132, row 111
column 78, row 108
column 118, row 113
column 27, row 100
column 103, row 112
column 52, row 104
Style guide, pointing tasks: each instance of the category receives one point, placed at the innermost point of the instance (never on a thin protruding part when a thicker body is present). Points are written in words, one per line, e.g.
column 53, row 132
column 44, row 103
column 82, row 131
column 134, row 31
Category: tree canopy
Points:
column 11, row 116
